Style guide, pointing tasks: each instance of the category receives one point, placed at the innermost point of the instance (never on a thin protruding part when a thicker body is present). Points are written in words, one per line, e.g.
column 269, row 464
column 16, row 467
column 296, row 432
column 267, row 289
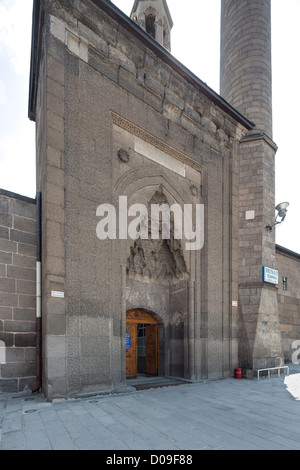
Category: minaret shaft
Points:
column 246, row 83
column 246, row 70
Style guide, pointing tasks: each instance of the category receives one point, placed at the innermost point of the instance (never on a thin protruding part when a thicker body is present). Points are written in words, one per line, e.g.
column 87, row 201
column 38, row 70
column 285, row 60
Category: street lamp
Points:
column 280, row 216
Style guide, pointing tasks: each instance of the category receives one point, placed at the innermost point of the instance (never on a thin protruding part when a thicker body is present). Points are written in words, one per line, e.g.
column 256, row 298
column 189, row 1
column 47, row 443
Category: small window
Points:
column 166, row 38
column 284, row 283
column 150, row 25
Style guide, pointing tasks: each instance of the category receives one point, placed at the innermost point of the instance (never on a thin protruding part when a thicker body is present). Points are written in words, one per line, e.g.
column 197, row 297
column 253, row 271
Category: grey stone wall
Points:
column 17, row 291
column 288, row 264
column 101, row 89
column 260, row 344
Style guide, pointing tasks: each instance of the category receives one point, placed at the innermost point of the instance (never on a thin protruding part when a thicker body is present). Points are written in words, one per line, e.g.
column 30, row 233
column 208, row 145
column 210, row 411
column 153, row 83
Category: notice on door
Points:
column 128, row 340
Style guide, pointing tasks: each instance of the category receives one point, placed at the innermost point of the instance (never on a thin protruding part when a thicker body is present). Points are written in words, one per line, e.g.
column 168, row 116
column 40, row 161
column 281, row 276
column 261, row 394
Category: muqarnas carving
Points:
column 157, row 259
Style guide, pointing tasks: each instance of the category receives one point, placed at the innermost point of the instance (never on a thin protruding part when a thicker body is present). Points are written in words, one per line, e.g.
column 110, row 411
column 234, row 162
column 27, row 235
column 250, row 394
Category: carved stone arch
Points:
column 136, row 179
column 140, row 314
column 150, row 11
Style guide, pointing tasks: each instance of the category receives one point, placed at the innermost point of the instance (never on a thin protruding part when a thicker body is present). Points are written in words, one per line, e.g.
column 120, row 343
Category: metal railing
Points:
column 273, row 368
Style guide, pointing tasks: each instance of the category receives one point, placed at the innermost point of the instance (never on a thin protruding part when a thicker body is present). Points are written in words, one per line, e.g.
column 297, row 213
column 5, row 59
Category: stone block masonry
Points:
column 17, row 291
column 104, row 86
column 288, row 264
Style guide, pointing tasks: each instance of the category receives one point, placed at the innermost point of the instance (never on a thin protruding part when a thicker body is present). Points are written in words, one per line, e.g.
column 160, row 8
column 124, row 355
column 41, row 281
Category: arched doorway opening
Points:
column 142, row 344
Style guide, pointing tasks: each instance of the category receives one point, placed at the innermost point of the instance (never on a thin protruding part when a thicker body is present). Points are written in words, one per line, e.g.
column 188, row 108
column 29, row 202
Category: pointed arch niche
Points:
column 157, row 278
column 160, row 275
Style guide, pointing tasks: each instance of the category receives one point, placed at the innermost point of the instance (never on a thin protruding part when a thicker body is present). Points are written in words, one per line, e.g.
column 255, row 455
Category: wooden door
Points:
column 131, row 350
column 151, row 349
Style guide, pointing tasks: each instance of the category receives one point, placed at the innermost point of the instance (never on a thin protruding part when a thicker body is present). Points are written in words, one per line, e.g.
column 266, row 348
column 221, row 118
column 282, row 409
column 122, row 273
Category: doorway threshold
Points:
column 143, row 382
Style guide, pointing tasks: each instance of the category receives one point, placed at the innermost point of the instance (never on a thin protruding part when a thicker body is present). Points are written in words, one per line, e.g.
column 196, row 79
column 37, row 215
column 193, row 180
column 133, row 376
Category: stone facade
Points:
column 120, row 122
column 116, row 119
column 288, row 264
column 17, row 291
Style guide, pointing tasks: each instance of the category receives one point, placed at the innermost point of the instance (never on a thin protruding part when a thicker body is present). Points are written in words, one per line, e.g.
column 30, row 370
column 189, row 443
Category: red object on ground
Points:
column 238, row 373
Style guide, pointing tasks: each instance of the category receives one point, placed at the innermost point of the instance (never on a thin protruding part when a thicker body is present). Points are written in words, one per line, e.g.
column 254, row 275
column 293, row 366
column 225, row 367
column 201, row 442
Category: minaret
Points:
column 246, row 68
column 246, row 83
column 154, row 17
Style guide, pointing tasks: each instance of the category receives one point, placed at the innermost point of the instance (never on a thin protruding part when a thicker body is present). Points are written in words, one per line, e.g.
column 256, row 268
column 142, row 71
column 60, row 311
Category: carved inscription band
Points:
column 151, row 139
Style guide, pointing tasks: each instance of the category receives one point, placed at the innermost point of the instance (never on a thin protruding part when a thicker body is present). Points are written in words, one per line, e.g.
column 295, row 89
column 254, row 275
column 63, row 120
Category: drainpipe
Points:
column 38, row 298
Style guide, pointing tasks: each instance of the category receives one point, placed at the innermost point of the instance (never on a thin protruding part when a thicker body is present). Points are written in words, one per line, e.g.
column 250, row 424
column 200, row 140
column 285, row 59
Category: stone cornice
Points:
column 155, row 141
column 257, row 285
column 253, row 137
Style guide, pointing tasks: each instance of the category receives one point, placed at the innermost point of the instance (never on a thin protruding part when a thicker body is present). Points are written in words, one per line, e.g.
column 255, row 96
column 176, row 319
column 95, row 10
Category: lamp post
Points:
column 280, row 216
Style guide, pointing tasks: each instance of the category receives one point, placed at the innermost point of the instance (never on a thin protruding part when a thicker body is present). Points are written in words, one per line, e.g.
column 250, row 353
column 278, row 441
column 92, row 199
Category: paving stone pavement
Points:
column 225, row 414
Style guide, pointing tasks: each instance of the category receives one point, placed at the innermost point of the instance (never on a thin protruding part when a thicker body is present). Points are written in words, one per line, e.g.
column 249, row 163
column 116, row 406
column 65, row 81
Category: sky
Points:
column 196, row 44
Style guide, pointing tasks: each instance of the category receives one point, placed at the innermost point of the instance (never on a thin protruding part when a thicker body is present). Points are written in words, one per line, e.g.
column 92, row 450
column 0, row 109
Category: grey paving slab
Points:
column 12, row 422
column 102, row 433
column 73, row 428
column 218, row 415
column 36, row 440
column 13, row 441
column 58, row 429
column 48, row 415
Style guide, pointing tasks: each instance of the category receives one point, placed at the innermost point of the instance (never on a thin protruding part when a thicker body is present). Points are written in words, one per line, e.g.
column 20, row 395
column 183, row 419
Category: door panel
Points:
column 131, row 350
column 151, row 349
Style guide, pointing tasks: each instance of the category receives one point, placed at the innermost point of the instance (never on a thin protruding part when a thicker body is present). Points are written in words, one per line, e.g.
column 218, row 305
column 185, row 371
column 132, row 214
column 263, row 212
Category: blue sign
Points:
column 128, row 340
column 269, row 275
